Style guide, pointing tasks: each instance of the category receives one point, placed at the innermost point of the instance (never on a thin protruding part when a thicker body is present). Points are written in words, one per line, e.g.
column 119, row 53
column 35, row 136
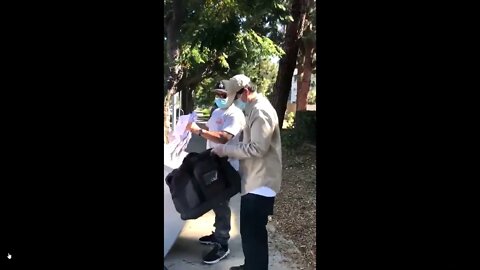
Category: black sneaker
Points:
column 216, row 254
column 240, row 267
column 208, row 239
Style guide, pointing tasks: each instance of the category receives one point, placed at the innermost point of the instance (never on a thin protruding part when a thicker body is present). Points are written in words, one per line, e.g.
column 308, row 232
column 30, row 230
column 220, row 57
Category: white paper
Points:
column 179, row 138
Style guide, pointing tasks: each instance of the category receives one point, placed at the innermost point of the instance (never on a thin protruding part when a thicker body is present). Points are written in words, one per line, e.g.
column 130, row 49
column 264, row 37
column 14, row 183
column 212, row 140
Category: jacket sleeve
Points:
column 262, row 130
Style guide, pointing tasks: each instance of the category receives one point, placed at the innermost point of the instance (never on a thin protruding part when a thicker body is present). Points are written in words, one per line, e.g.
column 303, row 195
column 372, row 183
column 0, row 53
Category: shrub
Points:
column 289, row 120
column 312, row 97
column 306, row 126
column 290, row 140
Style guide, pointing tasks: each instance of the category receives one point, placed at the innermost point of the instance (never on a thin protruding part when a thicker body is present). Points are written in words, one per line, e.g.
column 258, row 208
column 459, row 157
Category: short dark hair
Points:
column 250, row 87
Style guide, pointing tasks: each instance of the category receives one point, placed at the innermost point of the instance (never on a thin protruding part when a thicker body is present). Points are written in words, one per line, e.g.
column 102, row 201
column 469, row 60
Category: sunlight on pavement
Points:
column 194, row 229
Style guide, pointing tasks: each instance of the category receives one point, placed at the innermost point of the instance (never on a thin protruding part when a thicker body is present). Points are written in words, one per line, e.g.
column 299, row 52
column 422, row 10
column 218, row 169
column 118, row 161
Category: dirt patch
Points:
column 294, row 218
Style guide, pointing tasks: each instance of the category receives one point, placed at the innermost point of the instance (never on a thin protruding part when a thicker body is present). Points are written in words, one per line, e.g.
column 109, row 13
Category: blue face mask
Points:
column 240, row 104
column 221, row 102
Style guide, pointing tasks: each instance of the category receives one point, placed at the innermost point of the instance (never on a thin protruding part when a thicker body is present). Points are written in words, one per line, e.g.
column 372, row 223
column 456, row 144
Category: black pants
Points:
column 222, row 222
column 254, row 212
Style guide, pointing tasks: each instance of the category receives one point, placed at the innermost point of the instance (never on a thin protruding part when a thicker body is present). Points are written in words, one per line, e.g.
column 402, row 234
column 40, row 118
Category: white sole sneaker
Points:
column 217, row 260
column 207, row 242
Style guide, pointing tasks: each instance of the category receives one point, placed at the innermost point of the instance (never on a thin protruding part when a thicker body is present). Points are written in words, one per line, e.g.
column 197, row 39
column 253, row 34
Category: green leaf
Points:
column 281, row 7
column 223, row 61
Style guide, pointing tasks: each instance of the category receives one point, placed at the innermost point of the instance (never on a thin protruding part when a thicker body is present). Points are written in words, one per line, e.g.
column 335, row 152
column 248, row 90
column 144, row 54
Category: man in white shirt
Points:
column 260, row 155
column 224, row 126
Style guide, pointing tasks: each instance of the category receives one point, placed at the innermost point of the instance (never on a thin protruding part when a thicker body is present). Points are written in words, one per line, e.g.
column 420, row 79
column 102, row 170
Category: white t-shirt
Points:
column 264, row 191
column 231, row 120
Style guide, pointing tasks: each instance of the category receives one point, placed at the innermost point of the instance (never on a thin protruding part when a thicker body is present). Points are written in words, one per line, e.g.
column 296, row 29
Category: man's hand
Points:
column 219, row 150
column 193, row 127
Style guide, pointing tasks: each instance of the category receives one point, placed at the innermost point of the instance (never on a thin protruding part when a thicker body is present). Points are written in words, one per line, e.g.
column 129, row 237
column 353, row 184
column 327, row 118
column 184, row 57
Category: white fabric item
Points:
column 231, row 120
column 264, row 191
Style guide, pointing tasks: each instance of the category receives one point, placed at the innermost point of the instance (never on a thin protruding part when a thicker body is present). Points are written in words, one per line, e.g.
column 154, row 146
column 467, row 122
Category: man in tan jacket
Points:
column 260, row 155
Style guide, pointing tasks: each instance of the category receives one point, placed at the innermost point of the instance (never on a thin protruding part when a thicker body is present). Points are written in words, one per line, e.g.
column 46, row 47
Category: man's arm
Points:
column 261, row 136
column 221, row 137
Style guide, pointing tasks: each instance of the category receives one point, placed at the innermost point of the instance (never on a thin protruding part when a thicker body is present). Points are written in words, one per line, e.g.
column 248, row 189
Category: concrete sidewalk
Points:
column 187, row 253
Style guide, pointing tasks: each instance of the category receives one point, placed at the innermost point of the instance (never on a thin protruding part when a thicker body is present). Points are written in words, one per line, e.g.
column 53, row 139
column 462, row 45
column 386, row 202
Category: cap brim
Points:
column 230, row 87
column 219, row 90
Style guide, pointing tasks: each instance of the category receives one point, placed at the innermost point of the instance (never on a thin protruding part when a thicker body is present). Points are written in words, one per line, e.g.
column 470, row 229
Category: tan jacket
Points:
column 260, row 152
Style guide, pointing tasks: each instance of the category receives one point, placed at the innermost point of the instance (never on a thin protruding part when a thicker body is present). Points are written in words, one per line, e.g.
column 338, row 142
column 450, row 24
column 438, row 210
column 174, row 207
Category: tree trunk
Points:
column 187, row 100
column 173, row 23
column 300, row 71
column 188, row 85
column 304, row 88
column 287, row 63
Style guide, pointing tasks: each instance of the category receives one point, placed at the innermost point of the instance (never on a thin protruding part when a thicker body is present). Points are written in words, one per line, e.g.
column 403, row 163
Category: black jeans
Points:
column 254, row 212
column 222, row 222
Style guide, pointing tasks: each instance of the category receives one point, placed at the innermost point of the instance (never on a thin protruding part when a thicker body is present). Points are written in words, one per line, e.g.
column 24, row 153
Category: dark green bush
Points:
column 306, row 126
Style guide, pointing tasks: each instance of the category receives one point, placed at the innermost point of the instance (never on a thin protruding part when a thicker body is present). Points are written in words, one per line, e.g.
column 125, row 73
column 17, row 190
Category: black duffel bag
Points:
column 202, row 182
